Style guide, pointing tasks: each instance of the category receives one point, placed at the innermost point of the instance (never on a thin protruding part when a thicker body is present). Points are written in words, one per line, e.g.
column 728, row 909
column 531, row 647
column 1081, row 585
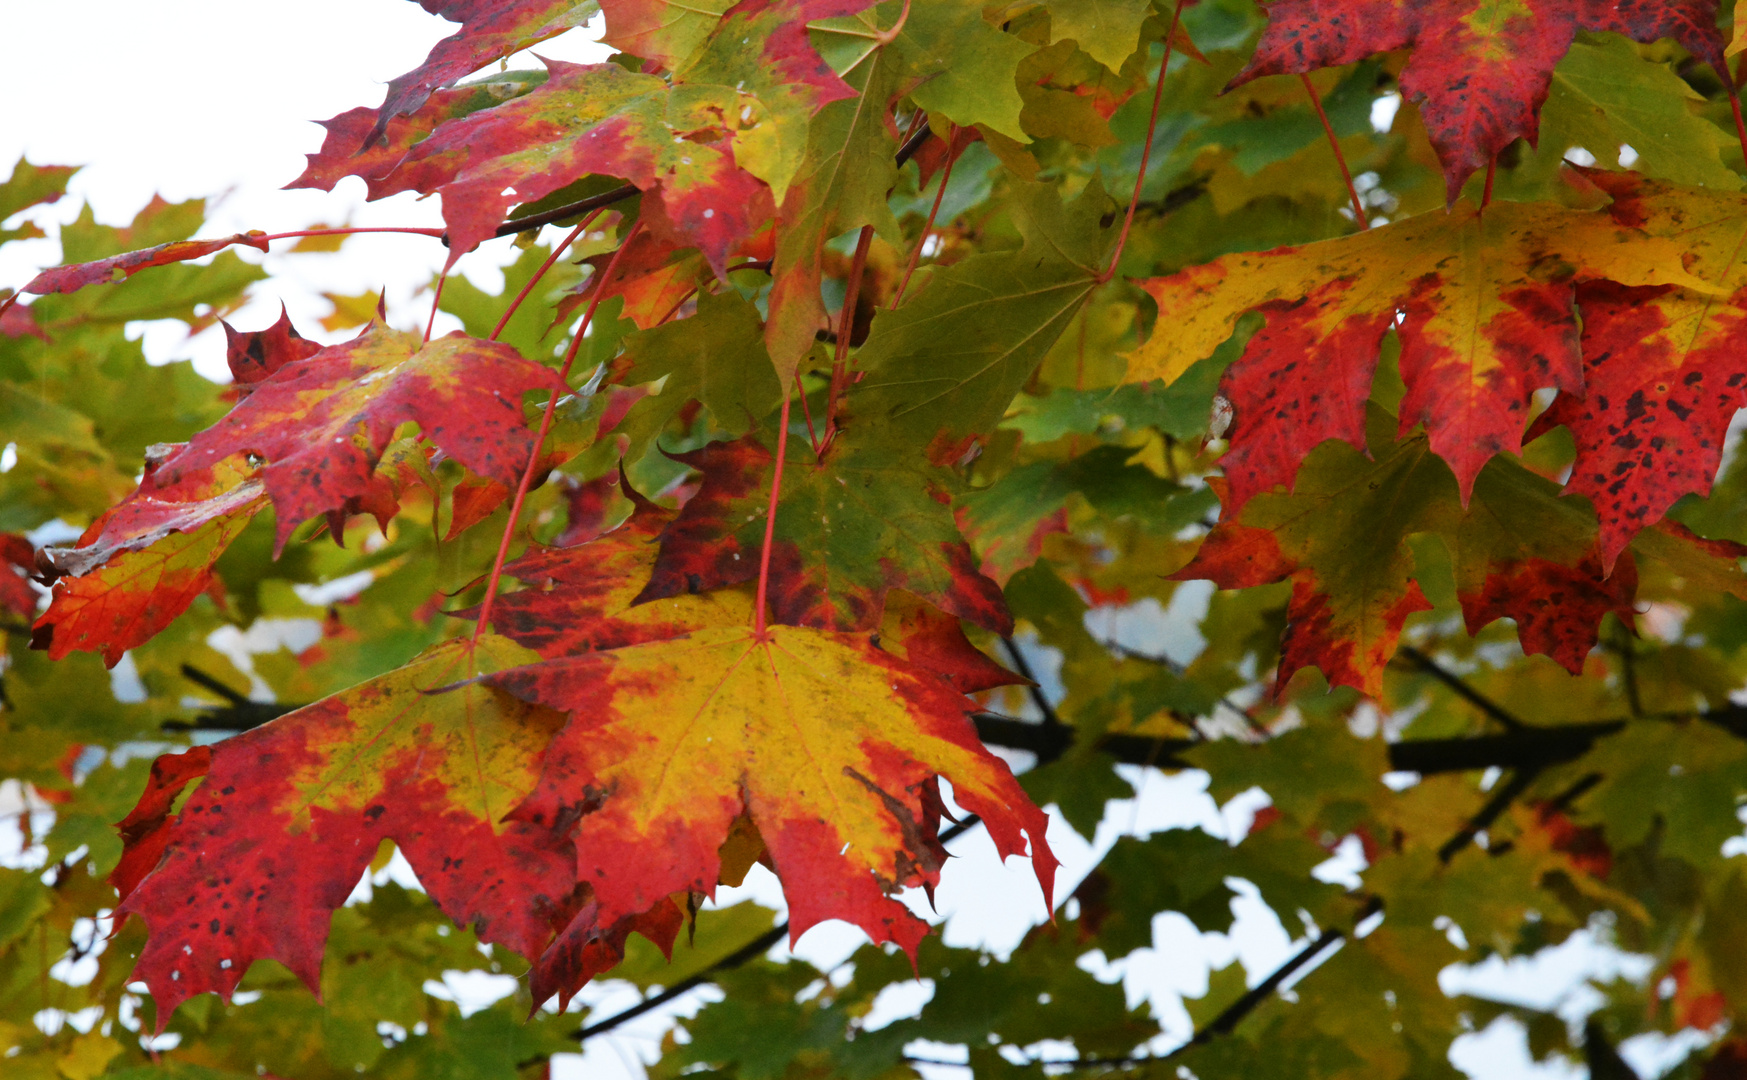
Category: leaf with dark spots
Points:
column 253, row 355
column 1662, row 366
column 290, row 814
column 1483, row 304
column 676, row 144
column 1479, row 70
column 830, row 744
column 314, row 430
column 1557, row 608
column 866, row 519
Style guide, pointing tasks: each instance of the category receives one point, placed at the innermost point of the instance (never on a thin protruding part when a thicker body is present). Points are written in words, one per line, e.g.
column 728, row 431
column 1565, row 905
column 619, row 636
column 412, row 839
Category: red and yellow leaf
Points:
column 288, row 816
column 490, row 30
column 1480, row 70
column 1483, row 304
column 676, row 144
column 313, row 431
column 831, row 745
column 75, row 276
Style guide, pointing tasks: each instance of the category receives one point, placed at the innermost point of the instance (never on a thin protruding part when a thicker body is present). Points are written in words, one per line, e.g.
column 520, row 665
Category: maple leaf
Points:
column 1662, row 375
column 314, row 430
column 340, row 154
column 287, row 817
column 829, row 743
column 138, row 567
column 1483, row 304
column 676, row 144
column 665, row 31
column 1518, row 550
column 1480, row 71
column 584, row 597
column 865, row 519
column 254, row 355
column 75, row 276
column 490, row 29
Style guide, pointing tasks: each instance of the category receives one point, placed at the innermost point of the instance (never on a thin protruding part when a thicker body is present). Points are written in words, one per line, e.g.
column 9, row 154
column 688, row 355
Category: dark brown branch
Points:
column 1460, row 686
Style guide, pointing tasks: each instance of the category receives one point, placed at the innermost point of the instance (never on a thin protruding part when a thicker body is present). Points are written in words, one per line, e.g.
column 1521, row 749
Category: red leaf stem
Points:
column 1334, row 144
column 845, row 329
column 557, row 252
column 1735, row 102
column 776, row 487
column 1146, row 150
column 436, row 299
column 928, row 227
column 509, row 528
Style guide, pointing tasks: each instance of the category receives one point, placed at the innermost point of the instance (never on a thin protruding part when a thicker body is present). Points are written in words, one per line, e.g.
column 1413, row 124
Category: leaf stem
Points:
column 933, row 212
column 1146, row 150
column 1735, row 102
column 551, row 259
column 436, row 299
column 845, row 330
column 776, row 487
column 1491, row 171
column 509, row 528
column 346, row 231
column 1334, row 144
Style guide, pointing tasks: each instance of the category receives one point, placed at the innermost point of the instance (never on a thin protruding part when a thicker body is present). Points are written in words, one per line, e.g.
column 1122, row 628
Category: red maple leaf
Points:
column 490, row 29
column 1480, row 71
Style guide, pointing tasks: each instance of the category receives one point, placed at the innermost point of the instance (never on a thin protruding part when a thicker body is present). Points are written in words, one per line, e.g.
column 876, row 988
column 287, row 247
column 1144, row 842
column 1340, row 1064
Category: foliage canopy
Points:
column 884, row 374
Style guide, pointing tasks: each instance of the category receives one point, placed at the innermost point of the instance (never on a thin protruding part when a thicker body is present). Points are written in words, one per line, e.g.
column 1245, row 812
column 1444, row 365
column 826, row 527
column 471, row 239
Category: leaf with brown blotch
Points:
column 832, row 745
column 866, row 519
column 1482, row 303
column 344, row 151
column 1662, row 366
column 676, row 144
column 314, row 430
column 73, row 277
column 1480, row 71
column 288, row 816
column 253, row 355
column 490, row 30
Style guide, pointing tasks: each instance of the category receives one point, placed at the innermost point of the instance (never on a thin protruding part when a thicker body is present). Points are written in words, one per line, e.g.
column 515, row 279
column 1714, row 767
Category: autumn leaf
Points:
column 1479, row 71
column 665, row 31
column 865, row 519
column 141, row 565
column 287, row 817
column 315, row 429
column 75, row 276
column 1483, row 304
column 676, row 144
column 1517, row 551
column 832, row 745
column 17, row 560
column 355, row 147
column 254, row 355
column 1661, row 370
column 490, row 29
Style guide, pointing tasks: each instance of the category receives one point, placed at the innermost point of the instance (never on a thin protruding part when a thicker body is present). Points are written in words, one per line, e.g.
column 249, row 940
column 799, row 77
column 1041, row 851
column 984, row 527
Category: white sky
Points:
column 192, row 98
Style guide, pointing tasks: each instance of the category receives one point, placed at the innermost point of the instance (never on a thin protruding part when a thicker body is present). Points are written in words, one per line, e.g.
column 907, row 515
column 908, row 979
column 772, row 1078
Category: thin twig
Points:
column 1460, row 686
